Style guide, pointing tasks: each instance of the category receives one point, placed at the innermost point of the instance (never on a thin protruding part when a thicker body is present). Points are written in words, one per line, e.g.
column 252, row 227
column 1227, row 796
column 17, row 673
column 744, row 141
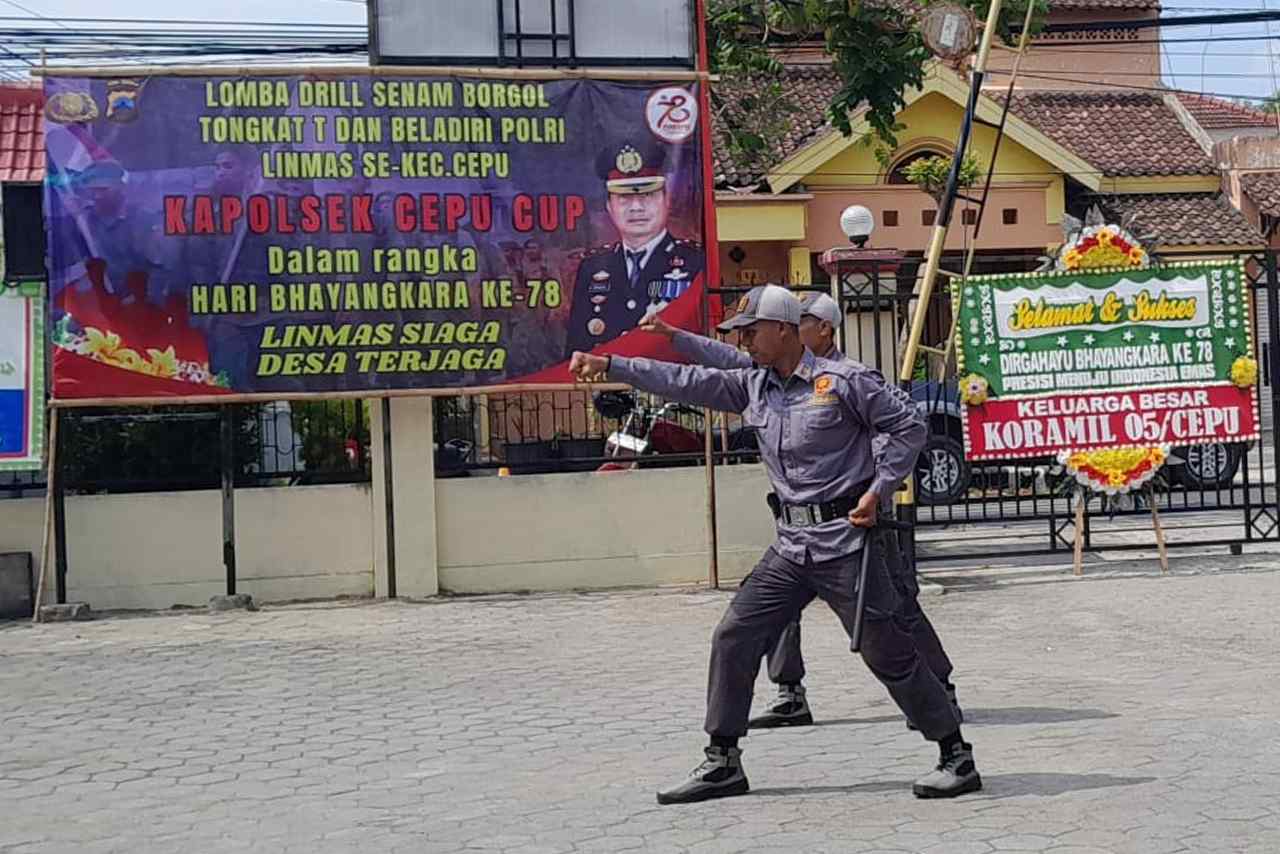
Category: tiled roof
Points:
column 1121, row 133
column 21, row 134
column 1183, row 219
column 1214, row 113
column 809, row 89
column 1264, row 189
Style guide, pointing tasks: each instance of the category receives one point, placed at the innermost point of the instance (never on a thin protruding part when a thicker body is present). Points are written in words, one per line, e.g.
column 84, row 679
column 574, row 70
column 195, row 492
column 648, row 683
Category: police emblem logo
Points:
column 595, row 326
column 69, row 107
column 822, row 395
column 122, row 100
column 629, row 161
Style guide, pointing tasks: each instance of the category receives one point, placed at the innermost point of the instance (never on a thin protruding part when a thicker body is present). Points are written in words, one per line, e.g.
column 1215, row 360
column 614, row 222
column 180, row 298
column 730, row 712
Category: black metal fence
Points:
column 122, row 450
column 574, row 431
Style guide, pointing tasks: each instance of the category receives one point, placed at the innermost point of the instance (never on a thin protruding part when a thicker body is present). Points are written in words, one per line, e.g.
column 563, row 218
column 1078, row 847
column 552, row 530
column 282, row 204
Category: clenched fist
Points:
column 588, row 368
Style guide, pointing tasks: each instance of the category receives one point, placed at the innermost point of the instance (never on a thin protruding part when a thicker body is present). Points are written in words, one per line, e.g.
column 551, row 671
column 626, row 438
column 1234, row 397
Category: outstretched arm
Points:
column 710, row 352
column 691, row 384
column 698, row 349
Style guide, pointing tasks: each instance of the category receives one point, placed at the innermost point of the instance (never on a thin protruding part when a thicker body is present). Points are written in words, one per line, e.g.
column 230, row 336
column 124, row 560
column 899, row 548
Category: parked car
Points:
column 944, row 476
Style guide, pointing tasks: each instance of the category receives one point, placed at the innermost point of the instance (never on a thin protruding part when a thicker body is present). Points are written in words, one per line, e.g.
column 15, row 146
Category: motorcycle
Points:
column 646, row 433
column 452, row 458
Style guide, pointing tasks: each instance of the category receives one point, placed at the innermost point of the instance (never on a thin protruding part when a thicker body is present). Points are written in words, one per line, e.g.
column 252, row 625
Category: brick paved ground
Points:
column 1117, row 715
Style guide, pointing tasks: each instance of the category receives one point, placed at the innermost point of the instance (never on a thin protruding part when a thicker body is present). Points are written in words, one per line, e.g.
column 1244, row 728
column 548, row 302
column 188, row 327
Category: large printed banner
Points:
column 299, row 234
column 1069, row 361
column 21, row 375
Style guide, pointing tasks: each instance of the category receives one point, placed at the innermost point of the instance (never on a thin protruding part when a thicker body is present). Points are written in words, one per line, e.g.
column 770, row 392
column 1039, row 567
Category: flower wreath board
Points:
column 1105, row 362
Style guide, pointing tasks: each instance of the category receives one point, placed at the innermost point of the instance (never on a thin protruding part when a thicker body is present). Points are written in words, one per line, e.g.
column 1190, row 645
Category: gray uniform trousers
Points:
column 786, row 663
column 774, row 594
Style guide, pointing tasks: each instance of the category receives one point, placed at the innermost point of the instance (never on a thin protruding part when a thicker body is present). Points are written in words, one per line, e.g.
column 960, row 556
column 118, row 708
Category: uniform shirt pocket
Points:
column 823, row 436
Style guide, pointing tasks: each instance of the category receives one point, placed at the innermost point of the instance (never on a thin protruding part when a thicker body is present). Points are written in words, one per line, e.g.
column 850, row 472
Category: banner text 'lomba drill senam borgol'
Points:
column 301, row 235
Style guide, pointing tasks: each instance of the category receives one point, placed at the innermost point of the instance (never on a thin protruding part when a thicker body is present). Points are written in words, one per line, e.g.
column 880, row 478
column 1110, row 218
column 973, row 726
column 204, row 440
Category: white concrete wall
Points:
column 615, row 529
column 534, row 532
column 156, row 550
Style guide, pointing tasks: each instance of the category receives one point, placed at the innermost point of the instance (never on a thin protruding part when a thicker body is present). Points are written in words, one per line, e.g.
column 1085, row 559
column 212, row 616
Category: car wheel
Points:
column 1209, row 466
column 942, row 472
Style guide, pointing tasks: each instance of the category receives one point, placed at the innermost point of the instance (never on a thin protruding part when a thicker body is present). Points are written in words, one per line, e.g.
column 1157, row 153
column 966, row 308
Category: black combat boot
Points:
column 955, row 774
column 719, row 776
column 789, row 708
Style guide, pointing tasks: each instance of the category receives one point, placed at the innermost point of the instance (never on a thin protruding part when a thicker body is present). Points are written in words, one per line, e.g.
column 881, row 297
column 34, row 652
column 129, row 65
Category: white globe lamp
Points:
column 857, row 223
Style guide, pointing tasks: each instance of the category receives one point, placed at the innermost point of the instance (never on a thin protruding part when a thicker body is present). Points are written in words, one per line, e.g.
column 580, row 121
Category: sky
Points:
column 1231, row 68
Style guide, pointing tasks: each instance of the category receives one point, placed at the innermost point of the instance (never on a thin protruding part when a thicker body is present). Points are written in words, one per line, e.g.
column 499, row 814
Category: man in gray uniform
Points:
column 819, row 318
column 815, row 419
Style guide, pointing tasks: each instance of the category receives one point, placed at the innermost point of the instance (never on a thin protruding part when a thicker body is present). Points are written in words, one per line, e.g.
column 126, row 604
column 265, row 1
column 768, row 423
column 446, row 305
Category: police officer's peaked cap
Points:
column 633, row 167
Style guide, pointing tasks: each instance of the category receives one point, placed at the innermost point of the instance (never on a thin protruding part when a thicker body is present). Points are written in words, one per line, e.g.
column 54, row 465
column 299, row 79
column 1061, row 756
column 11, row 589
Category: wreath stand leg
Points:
column 1159, row 529
column 1078, row 564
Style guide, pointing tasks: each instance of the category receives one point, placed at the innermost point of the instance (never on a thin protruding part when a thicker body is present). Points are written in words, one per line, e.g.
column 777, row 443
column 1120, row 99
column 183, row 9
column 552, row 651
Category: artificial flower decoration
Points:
column 1099, row 247
column 1114, row 470
column 974, row 390
column 1244, row 371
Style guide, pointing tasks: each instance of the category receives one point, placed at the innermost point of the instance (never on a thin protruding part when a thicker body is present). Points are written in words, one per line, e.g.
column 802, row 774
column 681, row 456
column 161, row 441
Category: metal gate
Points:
column 1217, row 495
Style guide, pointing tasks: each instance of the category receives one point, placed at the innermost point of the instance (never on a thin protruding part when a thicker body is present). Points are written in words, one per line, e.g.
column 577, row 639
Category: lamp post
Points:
column 864, row 284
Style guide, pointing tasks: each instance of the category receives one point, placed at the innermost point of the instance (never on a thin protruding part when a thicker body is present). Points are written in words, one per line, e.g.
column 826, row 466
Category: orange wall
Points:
column 1031, row 230
column 769, row 257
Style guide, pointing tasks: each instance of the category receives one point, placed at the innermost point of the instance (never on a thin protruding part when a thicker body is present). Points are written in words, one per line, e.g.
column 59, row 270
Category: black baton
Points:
column 875, row 530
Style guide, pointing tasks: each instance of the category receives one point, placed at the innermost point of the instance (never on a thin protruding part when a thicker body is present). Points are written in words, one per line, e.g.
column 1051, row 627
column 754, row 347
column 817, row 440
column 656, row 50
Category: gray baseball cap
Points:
column 822, row 307
column 767, row 302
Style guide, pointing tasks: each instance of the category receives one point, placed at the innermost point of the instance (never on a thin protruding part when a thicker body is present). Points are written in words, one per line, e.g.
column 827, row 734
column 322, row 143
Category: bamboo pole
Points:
column 713, row 568
column 1161, row 546
column 938, row 241
column 373, row 71
column 1078, row 563
column 48, row 514
column 1020, row 52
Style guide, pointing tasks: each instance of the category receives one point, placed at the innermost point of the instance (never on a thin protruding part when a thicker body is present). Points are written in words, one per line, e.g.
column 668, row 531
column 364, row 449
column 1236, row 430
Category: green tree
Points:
column 875, row 46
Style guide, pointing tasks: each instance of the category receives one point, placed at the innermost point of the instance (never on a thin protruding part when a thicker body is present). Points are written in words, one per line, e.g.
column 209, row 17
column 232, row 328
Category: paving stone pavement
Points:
column 1120, row 715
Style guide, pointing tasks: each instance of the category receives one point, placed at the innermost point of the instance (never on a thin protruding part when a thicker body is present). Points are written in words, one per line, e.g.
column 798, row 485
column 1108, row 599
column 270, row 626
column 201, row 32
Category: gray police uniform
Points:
column 815, row 429
column 786, row 662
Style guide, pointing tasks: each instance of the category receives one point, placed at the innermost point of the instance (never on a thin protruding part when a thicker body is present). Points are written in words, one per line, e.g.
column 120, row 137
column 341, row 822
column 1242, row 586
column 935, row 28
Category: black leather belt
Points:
column 803, row 515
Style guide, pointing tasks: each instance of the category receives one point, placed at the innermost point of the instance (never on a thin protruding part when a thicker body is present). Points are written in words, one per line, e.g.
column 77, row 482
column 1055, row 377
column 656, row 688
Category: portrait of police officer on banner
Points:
column 619, row 284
